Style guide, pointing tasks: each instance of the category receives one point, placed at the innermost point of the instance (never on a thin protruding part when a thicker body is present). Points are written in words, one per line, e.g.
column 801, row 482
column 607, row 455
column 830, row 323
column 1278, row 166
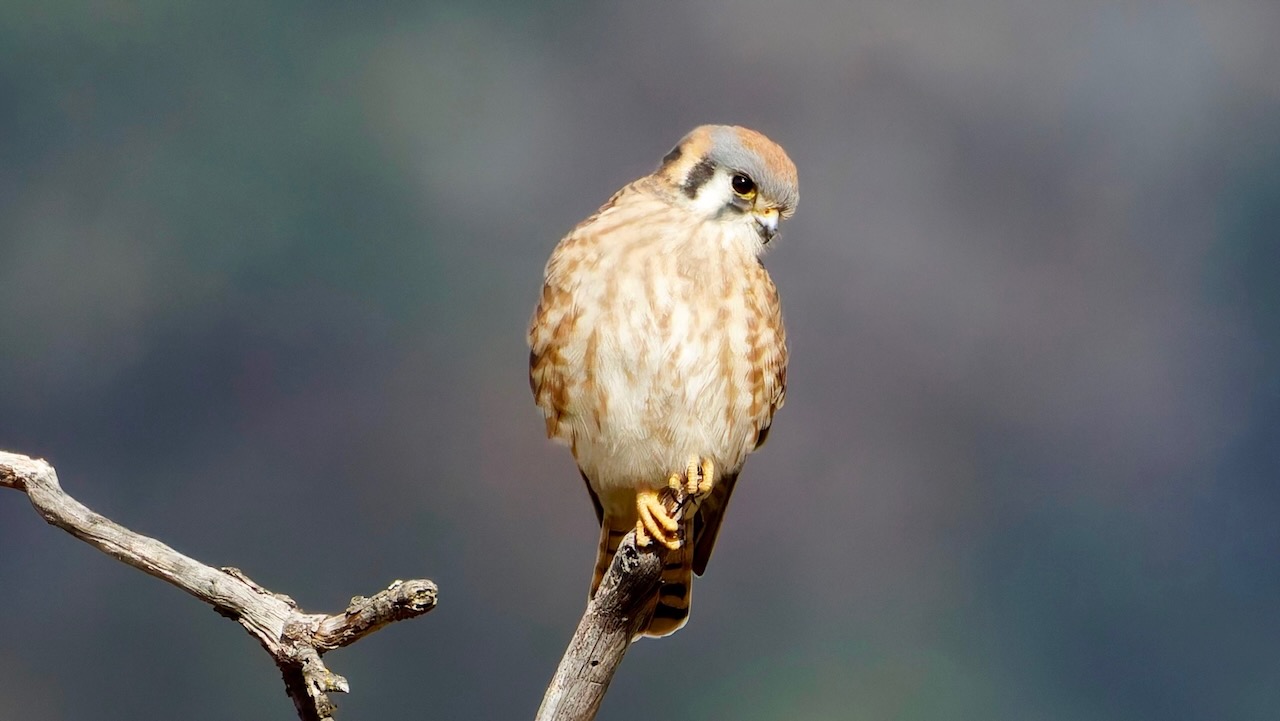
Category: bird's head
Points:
column 733, row 174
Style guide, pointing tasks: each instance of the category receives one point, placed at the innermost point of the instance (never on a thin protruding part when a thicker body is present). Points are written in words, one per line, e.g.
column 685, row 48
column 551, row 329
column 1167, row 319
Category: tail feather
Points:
column 672, row 608
column 676, row 591
column 611, row 534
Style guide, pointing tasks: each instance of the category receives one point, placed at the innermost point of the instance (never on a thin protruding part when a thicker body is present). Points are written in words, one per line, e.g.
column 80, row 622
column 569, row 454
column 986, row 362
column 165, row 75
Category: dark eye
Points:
column 744, row 186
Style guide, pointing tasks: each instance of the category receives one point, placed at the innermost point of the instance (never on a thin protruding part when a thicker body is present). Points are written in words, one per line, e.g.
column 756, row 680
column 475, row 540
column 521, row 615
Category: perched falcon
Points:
column 657, row 348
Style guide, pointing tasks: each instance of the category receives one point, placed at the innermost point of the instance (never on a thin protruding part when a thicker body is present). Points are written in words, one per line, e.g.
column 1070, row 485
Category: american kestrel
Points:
column 657, row 348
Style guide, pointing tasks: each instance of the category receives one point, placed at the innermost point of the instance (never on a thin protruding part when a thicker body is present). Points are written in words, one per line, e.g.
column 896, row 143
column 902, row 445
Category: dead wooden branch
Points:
column 621, row 605
column 295, row 639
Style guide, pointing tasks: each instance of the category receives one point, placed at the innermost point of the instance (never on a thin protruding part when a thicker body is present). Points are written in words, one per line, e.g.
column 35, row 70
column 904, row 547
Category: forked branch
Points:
column 295, row 639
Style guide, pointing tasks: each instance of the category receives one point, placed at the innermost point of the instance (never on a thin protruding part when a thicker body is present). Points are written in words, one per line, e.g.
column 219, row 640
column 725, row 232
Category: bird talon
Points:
column 692, row 475
column 699, row 477
column 655, row 522
column 707, row 478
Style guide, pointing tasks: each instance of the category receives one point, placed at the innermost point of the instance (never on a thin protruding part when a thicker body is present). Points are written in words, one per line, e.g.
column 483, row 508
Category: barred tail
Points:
column 672, row 607
column 612, row 529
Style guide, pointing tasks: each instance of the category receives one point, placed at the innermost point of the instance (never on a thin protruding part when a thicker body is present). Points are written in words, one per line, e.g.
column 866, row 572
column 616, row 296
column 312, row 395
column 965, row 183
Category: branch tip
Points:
column 293, row 638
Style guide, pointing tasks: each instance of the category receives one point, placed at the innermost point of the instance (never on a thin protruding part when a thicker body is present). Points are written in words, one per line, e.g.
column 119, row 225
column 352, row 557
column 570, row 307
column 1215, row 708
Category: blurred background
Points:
column 265, row 271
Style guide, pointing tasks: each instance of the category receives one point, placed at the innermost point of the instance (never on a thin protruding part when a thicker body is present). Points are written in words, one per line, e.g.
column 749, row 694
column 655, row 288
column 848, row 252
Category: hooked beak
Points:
column 767, row 220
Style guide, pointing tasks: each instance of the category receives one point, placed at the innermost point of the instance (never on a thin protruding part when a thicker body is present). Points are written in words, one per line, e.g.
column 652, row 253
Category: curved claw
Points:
column 697, row 480
column 655, row 523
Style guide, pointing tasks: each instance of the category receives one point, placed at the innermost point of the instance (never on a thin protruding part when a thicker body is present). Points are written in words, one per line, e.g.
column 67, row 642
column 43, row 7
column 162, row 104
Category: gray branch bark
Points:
column 621, row 606
column 296, row 640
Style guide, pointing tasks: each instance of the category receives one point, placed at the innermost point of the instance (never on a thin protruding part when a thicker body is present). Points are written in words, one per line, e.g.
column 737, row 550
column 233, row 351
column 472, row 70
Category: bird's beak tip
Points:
column 767, row 219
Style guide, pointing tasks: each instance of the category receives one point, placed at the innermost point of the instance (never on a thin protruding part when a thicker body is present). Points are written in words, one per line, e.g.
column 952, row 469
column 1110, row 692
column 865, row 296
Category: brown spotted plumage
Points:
column 658, row 353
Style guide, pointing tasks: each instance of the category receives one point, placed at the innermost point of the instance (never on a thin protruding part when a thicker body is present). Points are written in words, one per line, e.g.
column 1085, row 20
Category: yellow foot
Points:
column 655, row 522
column 699, row 477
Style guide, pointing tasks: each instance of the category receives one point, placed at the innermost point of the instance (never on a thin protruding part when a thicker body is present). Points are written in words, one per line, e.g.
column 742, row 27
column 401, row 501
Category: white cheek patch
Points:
column 714, row 195
column 736, row 230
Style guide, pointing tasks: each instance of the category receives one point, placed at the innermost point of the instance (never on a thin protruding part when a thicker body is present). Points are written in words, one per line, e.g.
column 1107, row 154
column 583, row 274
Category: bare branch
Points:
column 294, row 639
column 621, row 606
column 613, row 616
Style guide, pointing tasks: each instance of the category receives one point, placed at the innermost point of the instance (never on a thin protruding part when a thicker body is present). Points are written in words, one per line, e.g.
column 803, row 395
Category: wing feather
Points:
column 552, row 326
column 768, row 381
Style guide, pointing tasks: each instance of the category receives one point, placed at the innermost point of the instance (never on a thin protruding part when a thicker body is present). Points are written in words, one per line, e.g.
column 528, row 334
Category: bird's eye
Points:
column 742, row 185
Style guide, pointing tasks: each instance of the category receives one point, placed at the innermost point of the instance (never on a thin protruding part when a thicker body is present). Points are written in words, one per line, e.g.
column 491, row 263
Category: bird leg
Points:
column 655, row 521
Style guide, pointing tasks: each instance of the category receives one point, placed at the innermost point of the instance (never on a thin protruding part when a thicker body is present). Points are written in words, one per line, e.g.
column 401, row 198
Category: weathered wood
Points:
column 294, row 639
column 620, row 608
column 621, row 604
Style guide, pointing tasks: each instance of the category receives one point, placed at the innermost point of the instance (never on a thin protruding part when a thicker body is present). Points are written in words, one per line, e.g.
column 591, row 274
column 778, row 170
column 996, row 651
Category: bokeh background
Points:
column 265, row 270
